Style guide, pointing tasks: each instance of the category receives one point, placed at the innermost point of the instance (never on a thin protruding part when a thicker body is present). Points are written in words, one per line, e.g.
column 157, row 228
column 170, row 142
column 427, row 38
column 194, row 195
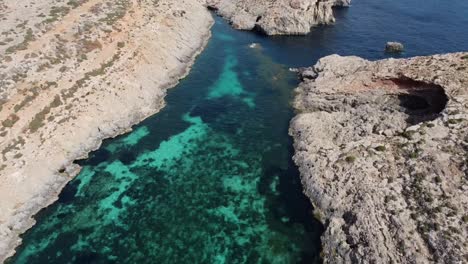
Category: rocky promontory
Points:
column 277, row 17
column 382, row 148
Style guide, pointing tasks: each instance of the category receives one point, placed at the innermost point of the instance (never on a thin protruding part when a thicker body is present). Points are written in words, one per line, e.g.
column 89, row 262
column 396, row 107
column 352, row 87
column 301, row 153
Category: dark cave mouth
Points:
column 421, row 101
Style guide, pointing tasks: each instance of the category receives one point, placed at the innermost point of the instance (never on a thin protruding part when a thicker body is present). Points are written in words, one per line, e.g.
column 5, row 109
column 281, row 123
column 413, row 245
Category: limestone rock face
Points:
column 87, row 71
column 277, row 17
column 382, row 148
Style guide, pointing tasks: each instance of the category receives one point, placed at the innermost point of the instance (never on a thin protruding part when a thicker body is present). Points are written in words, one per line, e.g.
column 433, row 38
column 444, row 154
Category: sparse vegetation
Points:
column 39, row 118
column 74, row 3
column 89, row 45
column 101, row 70
column 465, row 219
column 56, row 13
column 119, row 10
column 28, row 37
column 455, row 121
column 63, row 69
column 10, row 121
column 408, row 134
column 26, row 100
column 414, row 154
column 14, row 145
column 43, row 67
column 350, row 159
column 380, row 148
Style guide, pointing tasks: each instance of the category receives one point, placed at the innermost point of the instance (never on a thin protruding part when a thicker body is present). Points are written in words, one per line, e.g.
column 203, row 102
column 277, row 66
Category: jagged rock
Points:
column 394, row 47
column 380, row 148
column 277, row 17
column 307, row 73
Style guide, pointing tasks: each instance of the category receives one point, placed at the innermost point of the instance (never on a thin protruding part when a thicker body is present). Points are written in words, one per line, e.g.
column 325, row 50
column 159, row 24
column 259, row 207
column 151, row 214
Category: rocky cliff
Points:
column 73, row 73
column 382, row 148
column 277, row 17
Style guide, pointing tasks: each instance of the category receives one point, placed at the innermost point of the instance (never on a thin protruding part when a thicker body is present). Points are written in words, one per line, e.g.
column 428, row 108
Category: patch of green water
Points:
column 228, row 84
column 131, row 139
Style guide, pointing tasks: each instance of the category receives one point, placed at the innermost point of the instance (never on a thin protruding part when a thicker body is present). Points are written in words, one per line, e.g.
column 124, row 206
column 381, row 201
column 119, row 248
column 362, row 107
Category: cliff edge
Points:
column 382, row 149
column 73, row 73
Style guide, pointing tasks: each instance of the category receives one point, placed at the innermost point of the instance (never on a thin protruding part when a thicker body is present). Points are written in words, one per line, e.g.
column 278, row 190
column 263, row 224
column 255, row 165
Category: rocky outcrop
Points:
column 382, row 149
column 394, row 47
column 76, row 72
column 277, row 17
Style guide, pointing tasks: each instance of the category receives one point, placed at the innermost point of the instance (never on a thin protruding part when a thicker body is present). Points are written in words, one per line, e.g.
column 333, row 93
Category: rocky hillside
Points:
column 382, row 149
column 277, row 17
column 73, row 73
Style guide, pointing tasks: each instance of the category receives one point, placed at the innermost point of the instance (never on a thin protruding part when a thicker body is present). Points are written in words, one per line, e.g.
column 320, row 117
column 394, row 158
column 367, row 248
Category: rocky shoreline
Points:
column 382, row 149
column 61, row 74
column 278, row 17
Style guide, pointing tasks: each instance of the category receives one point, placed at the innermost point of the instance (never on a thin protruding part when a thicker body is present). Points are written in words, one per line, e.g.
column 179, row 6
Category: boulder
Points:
column 394, row 47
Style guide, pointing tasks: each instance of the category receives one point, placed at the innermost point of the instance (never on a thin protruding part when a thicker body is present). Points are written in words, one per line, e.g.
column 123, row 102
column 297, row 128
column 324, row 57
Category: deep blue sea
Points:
column 209, row 179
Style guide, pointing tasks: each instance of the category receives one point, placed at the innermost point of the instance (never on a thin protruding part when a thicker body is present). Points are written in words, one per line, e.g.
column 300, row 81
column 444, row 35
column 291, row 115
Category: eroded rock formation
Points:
column 382, row 149
column 277, row 17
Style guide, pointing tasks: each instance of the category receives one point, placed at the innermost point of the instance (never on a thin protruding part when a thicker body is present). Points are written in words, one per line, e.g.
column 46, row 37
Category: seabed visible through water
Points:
column 210, row 179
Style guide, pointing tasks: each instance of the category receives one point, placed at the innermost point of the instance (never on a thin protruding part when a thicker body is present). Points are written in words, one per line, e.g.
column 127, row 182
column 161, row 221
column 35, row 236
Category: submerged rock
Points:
column 277, row 17
column 394, row 47
column 381, row 148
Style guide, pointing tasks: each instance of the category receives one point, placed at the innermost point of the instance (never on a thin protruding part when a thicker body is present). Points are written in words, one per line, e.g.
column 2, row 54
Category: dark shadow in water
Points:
column 291, row 204
column 95, row 157
column 68, row 193
column 210, row 110
column 127, row 157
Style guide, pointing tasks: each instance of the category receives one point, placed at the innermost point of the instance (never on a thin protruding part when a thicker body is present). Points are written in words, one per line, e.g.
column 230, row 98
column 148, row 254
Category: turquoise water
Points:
column 206, row 180
column 210, row 179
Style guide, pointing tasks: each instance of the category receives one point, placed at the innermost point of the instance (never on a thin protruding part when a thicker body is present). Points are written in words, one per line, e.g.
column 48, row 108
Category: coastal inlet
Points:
column 208, row 179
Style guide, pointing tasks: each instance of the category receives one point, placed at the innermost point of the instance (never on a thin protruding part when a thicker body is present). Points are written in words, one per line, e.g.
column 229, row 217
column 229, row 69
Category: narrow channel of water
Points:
column 210, row 179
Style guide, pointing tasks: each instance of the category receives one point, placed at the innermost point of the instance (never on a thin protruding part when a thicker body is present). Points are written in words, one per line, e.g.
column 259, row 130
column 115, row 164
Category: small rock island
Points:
column 394, row 47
